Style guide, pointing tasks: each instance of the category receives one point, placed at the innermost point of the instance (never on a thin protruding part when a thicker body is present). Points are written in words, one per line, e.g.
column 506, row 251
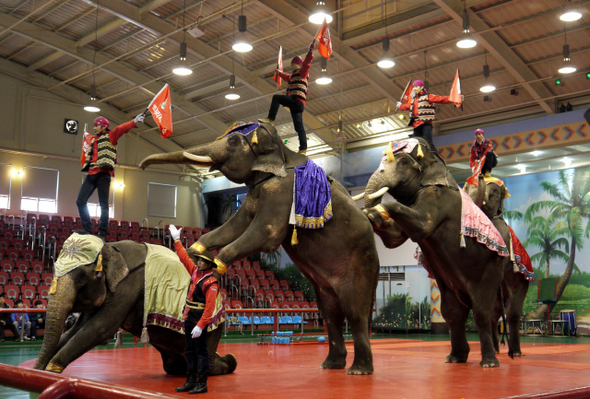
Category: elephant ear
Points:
column 434, row 168
column 114, row 266
column 270, row 156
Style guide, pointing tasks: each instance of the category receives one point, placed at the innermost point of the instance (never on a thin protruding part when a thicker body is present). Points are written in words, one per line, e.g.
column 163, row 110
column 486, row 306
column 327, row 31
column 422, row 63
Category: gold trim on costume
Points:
column 221, row 267
column 314, row 222
column 54, row 368
column 383, row 212
column 195, row 305
column 198, row 247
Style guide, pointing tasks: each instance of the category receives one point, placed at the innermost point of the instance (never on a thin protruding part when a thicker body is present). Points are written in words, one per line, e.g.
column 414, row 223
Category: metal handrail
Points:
column 147, row 223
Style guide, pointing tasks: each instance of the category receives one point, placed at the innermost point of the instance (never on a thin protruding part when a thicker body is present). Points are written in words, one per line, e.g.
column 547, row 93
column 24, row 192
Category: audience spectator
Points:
column 21, row 320
column 37, row 320
column 5, row 319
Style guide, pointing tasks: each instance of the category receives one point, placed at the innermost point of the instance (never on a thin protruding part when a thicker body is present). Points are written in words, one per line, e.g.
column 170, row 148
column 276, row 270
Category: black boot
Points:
column 201, row 385
column 191, row 382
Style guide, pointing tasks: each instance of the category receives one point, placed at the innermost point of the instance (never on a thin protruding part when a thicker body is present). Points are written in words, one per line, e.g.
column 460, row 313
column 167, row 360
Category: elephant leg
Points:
column 329, row 305
column 497, row 314
column 103, row 325
column 513, row 316
column 219, row 365
column 174, row 364
column 363, row 357
column 455, row 314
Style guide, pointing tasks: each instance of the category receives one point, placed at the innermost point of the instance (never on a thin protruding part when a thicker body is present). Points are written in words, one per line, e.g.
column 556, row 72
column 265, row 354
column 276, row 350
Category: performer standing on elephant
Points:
column 423, row 110
column 199, row 307
column 99, row 159
column 296, row 95
column 482, row 150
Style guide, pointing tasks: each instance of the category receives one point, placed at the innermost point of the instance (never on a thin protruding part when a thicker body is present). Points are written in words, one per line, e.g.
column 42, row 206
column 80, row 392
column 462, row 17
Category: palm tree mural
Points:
column 571, row 204
column 547, row 235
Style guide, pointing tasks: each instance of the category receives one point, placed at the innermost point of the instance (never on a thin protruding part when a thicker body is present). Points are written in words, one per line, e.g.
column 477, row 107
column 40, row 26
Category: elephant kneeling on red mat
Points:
column 135, row 286
column 466, row 258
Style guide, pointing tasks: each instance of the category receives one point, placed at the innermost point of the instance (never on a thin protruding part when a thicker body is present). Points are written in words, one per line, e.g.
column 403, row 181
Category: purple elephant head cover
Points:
column 244, row 128
column 312, row 196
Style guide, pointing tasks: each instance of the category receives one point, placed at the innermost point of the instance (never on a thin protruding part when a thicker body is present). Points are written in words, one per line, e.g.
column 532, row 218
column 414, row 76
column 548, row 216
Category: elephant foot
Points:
column 360, row 370
column 455, row 359
column 223, row 364
column 490, row 363
column 514, row 354
column 334, row 364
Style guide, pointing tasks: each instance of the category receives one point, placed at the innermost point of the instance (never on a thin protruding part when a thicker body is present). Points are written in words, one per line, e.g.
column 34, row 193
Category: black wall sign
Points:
column 70, row 126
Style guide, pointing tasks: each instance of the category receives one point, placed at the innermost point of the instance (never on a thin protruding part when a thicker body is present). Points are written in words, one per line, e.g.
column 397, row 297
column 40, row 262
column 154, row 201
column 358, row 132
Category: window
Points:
column 39, row 190
column 93, row 204
column 5, row 181
column 161, row 200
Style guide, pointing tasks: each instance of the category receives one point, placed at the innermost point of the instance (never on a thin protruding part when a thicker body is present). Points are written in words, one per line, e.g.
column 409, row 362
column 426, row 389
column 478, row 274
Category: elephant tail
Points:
column 505, row 332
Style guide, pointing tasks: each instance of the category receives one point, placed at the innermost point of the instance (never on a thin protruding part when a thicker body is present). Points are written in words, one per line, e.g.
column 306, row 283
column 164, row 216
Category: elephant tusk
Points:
column 379, row 193
column 358, row 196
column 198, row 158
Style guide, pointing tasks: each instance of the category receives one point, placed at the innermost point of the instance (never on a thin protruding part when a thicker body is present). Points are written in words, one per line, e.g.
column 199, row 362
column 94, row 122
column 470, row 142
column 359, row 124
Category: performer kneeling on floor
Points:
column 199, row 307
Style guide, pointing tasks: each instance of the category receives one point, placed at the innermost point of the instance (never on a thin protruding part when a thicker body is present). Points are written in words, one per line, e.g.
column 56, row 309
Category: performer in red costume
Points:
column 198, row 310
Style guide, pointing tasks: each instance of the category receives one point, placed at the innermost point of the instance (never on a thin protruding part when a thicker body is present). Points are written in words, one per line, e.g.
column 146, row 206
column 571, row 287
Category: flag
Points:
column 86, row 143
column 161, row 109
column 455, row 95
column 277, row 78
column 407, row 94
column 324, row 42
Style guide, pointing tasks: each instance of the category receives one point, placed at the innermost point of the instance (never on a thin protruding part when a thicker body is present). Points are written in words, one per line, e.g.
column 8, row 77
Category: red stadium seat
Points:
column 18, row 244
column 256, row 265
column 69, row 221
column 237, row 265
column 241, row 274
column 22, row 266
column 223, row 293
column 305, row 305
column 274, row 305
column 12, row 292
column 28, row 292
column 237, row 305
column 43, row 219
column 250, row 274
column 259, row 296
column 295, row 305
column 3, row 278
column 269, row 295
column 33, row 279
column 284, row 285
column 197, row 232
column 46, row 278
column 28, row 255
column 17, row 278
column 44, row 301
column 206, row 230
column 26, row 302
column 274, row 285
column 299, row 296
column 37, row 266
column 7, row 265
column 284, row 305
column 246, row 265
column 56, row 219
column 123, row 234
column 43, row 291
column 279, row 295
column 4, row 244
column 254, row 284
column 265, row 285
column 9, row 234
column 290, row 296
column 124, row 225
column 260, row 275
column 135, row 226
column 270, row 274
column 13, row 254
column 313, row 304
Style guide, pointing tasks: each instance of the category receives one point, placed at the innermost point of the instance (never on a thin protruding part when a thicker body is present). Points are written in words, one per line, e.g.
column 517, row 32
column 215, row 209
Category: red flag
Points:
column 407, row 95
column 277, row 78
column 455, row 95
column 324, row 42
column 161, row 109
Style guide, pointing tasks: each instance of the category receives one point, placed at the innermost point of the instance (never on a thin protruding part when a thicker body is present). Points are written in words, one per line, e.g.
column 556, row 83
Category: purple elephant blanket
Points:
column 475, row 223
column 311, row 196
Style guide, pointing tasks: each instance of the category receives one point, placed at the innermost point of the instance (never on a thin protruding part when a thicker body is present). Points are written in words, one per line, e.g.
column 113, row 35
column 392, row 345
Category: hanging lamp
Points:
column 320, row 12
column 324, row 77
column 232, row 94
column 467, row 40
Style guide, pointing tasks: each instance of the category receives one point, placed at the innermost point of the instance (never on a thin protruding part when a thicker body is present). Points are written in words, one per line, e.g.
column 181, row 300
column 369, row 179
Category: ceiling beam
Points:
column 501, row 51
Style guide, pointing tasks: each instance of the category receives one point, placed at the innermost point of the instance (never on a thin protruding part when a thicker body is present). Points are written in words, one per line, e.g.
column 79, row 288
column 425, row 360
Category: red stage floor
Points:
column 403, row 369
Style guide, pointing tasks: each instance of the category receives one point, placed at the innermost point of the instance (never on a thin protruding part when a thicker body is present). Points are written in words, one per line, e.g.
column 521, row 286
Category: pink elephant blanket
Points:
column 474, row 223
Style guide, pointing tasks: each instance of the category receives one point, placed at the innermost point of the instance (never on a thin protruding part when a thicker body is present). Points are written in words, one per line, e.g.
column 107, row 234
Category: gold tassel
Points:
column 294, row 240
column 145, row 338
column 420, row 154
column 119, row 338
column 254, row 138
column 463, row 245
column 98, row 267
column 53, row 288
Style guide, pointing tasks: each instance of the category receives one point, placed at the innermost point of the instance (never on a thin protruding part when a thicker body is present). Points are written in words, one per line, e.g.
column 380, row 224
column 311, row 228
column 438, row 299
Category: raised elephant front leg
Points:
column 230, row 230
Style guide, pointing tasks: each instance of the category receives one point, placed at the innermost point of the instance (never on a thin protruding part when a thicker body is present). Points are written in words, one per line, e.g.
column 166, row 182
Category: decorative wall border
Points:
column 515, row 143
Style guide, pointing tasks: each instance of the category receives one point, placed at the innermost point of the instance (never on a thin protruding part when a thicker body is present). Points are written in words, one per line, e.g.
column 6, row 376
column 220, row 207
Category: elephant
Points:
column 109, row 294
column 340, row 259
column 489, row 195
column 427, row 209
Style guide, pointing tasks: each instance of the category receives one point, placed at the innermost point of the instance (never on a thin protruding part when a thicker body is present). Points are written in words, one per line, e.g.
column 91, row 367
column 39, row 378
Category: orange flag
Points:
column 324, row 42
column 455, row 95
column 86, row 143
column 277, row 78
column 161, row 109
column 407, row 94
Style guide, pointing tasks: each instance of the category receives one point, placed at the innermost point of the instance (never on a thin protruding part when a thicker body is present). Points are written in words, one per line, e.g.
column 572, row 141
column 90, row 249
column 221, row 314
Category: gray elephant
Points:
column 466, row 259
column 489, row 195
column 107, row 284
column 340, row 259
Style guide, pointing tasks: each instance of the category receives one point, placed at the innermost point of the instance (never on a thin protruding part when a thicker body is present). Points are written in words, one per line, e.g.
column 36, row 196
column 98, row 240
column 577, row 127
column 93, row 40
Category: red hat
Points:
column 102, row 121
column 478, row 131
column 418, row 83
column 297, row 60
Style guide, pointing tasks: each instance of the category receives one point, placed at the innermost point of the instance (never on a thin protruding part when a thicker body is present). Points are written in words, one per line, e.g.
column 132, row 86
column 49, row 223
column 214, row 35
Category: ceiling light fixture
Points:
column 182, row 68
column 324, row 77
column 487, row 87
column 320, row 13
column 570, row 13
column 340, row 131
column 567, row 66
column 467, row 40
column 386, row 60
column 93, row 106
column 242, row 45
column 232, row 94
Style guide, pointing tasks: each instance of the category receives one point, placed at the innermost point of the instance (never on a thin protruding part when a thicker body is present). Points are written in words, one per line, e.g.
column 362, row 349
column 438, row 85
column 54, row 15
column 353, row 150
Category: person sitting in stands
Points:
column 5, row 320
column 21, row 320
column 37, row 320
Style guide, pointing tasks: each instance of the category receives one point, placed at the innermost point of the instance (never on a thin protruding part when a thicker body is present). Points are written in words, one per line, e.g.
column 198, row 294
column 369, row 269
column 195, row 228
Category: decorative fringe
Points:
column 53, row 288
column 119, row 338
column 254, row 138
column 98, row 267
column 419, row 154
column 294, row 240
column 462, row 242
column 145, row 338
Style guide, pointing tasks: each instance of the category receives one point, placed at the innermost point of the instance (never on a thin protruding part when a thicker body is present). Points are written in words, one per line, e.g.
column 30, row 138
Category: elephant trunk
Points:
column 373, row 185
column 58, row 308
column 204, row 156
column 481, row 191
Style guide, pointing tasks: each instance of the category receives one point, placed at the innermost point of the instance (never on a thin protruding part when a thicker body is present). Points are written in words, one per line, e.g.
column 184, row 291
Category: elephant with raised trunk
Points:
column 428, row 209
column 107, row 283
column 340, row 259
column 489, row 195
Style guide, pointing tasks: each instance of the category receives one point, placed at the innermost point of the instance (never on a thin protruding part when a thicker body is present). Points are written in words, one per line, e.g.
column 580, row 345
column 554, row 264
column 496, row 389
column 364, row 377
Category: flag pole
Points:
column 459, row 75
column 318, row 32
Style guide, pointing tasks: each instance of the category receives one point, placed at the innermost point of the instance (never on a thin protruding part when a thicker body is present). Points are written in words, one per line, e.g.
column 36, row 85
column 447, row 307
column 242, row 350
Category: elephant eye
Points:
column 233, row 140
